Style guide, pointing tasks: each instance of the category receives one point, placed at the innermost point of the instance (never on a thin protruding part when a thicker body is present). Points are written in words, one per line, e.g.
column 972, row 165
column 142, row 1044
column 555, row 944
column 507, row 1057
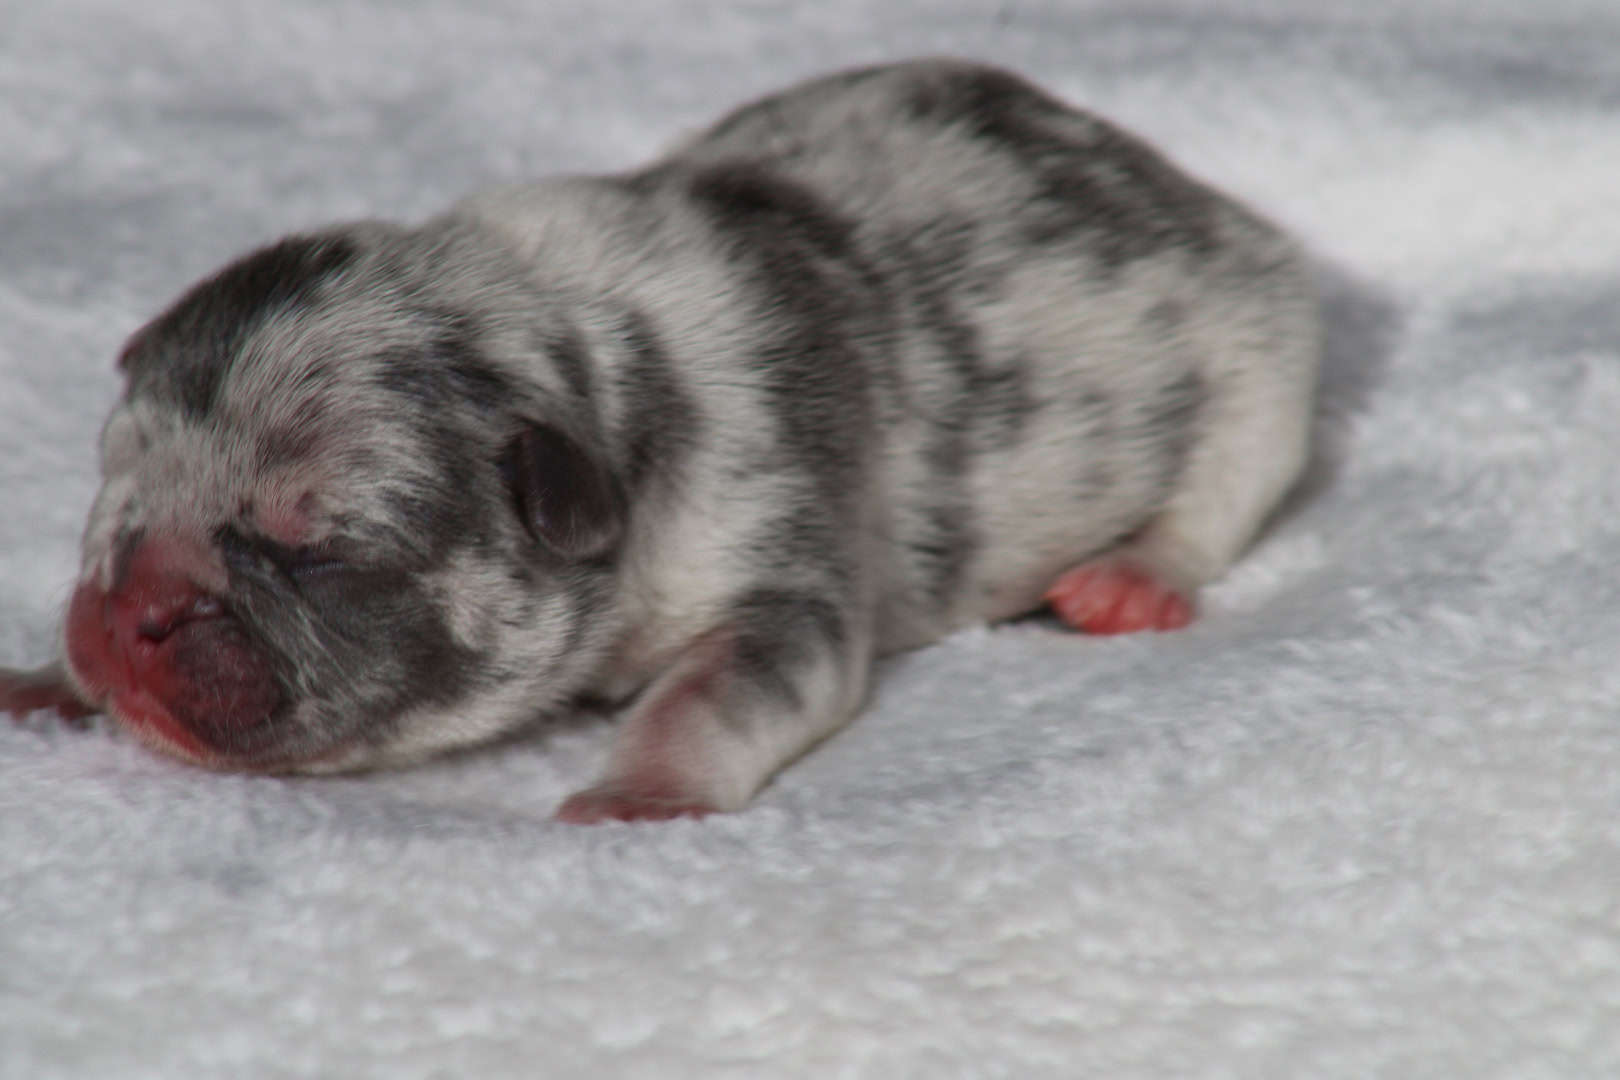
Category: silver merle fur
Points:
column 869, row 360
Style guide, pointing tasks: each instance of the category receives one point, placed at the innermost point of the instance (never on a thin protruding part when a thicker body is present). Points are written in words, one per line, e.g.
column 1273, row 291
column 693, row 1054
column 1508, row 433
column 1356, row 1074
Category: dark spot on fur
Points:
column 1176, row 406
column 451, row 401
column 1094, row 406
column 1125, row 206
column 984, row 98
column 1095, row 185
column 965, row 405
column 778, row 632
column 187, row 352
column 585, row 599
column 815, row 297
column 660, row 420
column 1165, row 318
column 1167, row 425
column 363, row 640
column 940, row 541
column 805, row 544
column 451, row 374
column 1004, row 404
column 436, row 392
column 426, row 523
column 432, row 667
column 1098, row 476
column 287, row 444
column 569, row 353
column 783, row 220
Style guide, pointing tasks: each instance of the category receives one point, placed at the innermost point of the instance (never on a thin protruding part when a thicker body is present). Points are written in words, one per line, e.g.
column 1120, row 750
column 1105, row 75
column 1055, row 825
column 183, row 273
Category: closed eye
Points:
column 313, row 564
column 256, row 556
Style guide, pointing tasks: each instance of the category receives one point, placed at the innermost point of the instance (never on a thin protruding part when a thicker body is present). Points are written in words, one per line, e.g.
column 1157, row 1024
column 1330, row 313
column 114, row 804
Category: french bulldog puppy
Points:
column 884, row 355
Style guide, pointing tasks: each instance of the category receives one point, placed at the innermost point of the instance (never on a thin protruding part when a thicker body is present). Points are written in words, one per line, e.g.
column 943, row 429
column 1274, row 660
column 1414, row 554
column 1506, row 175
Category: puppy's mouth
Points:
column 173, row 665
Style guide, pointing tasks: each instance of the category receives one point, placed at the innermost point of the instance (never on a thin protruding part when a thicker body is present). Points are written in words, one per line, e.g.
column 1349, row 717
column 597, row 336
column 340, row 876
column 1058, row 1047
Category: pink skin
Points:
column 119, row 644
column 598, row 804
column 650, row 779
column 1114, row 597
column 153, row 650
column 289, row 521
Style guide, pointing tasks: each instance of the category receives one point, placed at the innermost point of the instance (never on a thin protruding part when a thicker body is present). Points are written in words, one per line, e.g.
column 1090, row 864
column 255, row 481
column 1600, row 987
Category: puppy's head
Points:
column 354, row 509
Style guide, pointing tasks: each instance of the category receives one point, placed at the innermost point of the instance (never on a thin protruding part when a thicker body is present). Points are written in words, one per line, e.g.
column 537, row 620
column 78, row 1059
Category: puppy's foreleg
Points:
column 45, row 688
column 744, row 699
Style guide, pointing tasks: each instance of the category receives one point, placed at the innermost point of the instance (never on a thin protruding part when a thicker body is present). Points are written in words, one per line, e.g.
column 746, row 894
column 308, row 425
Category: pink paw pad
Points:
column 600, row 804
column 1116, row 598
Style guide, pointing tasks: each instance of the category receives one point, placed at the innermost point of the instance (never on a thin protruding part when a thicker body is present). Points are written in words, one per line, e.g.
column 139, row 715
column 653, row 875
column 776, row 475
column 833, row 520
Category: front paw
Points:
column 46, row 688
column 612, row 802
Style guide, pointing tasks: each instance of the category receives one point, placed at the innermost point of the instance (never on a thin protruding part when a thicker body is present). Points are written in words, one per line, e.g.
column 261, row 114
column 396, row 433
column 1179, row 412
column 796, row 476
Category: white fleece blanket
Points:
column 1362, row 819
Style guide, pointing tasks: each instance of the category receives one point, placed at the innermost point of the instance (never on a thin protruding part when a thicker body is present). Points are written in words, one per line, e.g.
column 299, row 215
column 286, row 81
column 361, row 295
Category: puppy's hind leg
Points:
column 782, row 673
column 1251, row 441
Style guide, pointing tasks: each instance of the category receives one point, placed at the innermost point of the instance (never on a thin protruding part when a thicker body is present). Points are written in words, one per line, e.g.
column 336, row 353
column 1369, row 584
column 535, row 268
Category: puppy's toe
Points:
column 1114, row 597
column 617, row 803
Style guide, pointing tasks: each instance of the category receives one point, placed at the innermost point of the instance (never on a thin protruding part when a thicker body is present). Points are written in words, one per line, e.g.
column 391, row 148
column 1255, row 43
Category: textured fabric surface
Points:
column 1363, row 818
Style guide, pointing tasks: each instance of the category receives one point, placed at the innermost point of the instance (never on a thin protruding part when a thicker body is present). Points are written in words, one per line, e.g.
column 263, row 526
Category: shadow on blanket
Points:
column 1361, row 324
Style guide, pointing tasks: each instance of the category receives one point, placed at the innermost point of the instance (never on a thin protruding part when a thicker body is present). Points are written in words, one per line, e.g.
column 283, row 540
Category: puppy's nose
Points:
column 170, row 654
column 155, row 597
column 163, row 615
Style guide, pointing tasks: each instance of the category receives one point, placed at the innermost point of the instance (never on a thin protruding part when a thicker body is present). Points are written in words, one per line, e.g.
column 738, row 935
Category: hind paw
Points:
column 1116, row 598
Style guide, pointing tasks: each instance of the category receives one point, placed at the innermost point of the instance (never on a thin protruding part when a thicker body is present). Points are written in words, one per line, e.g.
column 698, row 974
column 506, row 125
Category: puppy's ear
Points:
column 133, row 347
column 565, row 497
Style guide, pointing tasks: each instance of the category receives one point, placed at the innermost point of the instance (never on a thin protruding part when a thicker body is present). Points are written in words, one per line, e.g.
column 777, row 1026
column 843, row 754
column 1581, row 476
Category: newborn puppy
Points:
column 884, row 355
